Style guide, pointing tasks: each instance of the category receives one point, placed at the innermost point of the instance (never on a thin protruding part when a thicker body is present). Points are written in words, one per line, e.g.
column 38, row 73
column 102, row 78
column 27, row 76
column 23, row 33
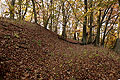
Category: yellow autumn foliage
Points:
column 111, row 39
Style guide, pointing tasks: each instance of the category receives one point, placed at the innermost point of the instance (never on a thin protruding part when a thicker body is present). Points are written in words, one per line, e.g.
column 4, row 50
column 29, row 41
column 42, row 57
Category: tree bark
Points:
column 91, row 22
column 20, row 2
column 84, row 24
column 100, row 22
column 23, row 16
column 12, row 9
column 119, row 20
column 34, row 10
column 103, row 40
column 64, row 20
column 51, row 23
column 57, row 20
column 97, row 40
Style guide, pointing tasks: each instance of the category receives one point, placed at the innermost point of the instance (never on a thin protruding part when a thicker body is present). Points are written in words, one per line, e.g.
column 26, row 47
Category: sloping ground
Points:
column 30, row 52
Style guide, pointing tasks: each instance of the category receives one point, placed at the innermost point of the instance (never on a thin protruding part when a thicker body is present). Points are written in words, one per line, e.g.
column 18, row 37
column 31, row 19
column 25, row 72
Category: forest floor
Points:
column 30, row 52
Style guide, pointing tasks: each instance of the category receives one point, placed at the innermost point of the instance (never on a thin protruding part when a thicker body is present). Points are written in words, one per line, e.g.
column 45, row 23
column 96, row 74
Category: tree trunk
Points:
column 57, row 18
column 97, row 40
column 91, row 22
column 51, row 23
column 20, row 2
column 23, row 16
column 75, row 36
column 103, row 40
column 119, row 21
column 12, row 9
column 64, row 21
column 117, row 46
column 35, row 14
column 84, row 24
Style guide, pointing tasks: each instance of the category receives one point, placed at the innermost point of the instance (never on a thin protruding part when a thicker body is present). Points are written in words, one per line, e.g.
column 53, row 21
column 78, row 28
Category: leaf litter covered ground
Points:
column 30, row 52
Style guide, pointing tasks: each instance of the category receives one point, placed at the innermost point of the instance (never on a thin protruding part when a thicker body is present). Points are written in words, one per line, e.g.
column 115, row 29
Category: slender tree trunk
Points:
column 51, row 23
column 97, row 40
column 117, row 44
column 23, row 16
column 91, row 22
column 43, row 12
column 75, row 36
column 75, row 30
column 46, row 17
column 57, row 20
column 84, row 24
column 47, row 7
column 119, row 21
column 20, row 2
column 103, row 40
column 12, row 9
column 76, row 25
column 100, row 21
column 35, row 14
column 53, row 16
column 64, row 21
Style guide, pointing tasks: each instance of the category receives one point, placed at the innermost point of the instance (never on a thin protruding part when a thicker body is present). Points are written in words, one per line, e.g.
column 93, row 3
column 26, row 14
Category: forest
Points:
column 59, row 39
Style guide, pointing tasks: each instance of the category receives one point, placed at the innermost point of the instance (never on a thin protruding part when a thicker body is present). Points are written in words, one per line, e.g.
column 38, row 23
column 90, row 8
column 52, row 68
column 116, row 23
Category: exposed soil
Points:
column 30, row 52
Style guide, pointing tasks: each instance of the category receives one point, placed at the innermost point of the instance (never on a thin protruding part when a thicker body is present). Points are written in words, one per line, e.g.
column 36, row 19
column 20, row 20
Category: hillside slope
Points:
column 30, row 52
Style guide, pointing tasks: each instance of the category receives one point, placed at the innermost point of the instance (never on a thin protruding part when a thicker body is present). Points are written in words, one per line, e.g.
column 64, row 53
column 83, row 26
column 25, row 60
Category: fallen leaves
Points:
column 34, row 53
